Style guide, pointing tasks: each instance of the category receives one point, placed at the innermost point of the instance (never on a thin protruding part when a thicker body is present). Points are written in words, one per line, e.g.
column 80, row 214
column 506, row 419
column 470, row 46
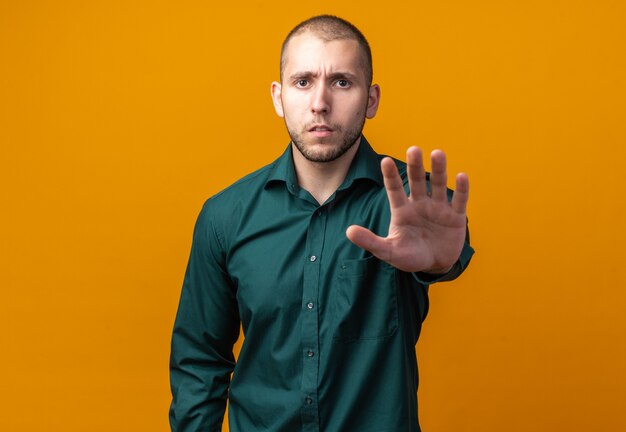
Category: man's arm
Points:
column 206, row 328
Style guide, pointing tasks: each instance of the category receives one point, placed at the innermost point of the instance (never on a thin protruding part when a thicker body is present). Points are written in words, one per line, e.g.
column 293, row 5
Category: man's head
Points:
column 325, row 92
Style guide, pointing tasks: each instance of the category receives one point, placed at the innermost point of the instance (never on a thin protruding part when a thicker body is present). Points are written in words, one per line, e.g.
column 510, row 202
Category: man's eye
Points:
column 343, row 83
column 302, row 83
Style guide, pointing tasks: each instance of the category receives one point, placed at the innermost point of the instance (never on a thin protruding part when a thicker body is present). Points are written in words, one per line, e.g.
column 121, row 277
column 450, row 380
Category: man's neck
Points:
column 321, row 179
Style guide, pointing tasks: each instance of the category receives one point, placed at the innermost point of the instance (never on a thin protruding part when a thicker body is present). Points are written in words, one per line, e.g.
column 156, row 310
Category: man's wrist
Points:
column 440, row 271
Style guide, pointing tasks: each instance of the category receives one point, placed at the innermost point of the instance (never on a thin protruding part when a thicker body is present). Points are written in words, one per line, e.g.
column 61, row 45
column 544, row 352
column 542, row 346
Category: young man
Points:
column 323, row 260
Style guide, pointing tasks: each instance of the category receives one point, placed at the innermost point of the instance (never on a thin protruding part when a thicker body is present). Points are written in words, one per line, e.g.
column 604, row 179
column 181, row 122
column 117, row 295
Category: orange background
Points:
column 119, row 118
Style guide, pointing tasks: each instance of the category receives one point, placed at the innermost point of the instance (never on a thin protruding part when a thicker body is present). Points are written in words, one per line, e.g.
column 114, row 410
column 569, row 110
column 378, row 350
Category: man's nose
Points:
column 321, row 100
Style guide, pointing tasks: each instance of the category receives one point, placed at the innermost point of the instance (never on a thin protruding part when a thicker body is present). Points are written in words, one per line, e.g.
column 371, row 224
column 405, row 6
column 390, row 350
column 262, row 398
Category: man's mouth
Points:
column 321, row 130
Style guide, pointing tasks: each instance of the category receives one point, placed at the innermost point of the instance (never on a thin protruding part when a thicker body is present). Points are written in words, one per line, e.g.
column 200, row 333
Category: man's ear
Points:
column 278, row 103
column 373, row 101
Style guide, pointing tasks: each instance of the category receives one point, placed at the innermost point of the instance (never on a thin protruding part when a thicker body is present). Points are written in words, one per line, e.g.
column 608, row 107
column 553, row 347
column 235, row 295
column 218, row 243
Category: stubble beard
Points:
column 335, row 151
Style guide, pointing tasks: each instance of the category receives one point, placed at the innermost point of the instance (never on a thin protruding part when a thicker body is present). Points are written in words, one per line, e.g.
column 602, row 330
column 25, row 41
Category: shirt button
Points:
column 308, row 400
column 310, row 353
column 310, row 305
column 313, row 258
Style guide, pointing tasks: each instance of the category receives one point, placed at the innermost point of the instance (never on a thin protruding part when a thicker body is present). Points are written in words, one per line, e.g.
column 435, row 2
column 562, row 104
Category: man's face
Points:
column 324, row 97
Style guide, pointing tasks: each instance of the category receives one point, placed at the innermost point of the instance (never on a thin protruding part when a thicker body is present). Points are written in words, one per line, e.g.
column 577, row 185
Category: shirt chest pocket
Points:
column 365, row 300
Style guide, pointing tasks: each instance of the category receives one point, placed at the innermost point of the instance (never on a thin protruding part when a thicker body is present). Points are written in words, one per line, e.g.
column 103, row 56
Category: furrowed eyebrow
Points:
column 334, row 76
column 301, row 75
column 343, row 75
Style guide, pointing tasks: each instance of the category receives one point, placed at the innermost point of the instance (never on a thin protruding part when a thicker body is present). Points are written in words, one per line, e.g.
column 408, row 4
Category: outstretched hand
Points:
column 426, row 232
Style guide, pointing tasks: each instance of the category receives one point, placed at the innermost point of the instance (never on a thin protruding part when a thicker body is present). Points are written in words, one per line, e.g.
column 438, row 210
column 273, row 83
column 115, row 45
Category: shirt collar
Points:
column 365, row 165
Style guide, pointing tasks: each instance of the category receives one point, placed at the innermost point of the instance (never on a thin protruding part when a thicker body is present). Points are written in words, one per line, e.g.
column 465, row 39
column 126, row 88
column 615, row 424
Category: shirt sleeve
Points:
column 205, row 330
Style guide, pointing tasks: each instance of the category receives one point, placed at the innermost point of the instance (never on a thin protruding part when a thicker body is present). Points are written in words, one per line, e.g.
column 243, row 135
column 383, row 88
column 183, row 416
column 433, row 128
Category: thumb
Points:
column 365, row 239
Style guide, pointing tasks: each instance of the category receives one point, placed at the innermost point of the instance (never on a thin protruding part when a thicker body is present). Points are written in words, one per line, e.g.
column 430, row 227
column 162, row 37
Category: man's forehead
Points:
column 310, row 39
column 310, row 50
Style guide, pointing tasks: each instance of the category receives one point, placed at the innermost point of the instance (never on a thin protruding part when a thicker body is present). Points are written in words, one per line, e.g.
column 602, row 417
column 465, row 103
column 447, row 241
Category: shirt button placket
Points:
column 310, row 320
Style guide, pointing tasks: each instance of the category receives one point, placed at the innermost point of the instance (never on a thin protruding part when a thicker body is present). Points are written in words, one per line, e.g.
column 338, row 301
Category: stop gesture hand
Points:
column 426, row 232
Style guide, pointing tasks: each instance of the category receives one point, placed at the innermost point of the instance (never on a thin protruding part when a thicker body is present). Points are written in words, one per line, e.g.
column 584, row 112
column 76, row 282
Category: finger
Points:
column 438, row 176
column 461, row 193
column 416, row 173
column 365, row 239
column 393, row 183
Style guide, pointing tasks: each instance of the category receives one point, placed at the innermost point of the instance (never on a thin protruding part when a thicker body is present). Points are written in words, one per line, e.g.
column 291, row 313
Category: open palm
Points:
column 426, row 231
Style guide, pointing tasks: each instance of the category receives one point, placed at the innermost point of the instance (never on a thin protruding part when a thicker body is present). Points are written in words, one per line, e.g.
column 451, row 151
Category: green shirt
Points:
column 330, row 330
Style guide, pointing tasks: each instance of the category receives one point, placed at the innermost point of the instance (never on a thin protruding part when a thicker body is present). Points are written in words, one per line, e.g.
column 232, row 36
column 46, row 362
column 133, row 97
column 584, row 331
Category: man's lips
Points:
column 320, row 130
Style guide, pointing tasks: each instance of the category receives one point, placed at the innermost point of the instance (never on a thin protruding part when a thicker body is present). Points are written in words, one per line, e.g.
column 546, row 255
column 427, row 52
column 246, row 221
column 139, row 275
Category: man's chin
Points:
column 323, row 149
column 323, row 153
column 321, row 157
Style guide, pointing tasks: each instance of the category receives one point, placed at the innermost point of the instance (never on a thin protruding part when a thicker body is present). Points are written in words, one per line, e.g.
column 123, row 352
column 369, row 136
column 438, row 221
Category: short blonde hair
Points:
column 329, row 28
